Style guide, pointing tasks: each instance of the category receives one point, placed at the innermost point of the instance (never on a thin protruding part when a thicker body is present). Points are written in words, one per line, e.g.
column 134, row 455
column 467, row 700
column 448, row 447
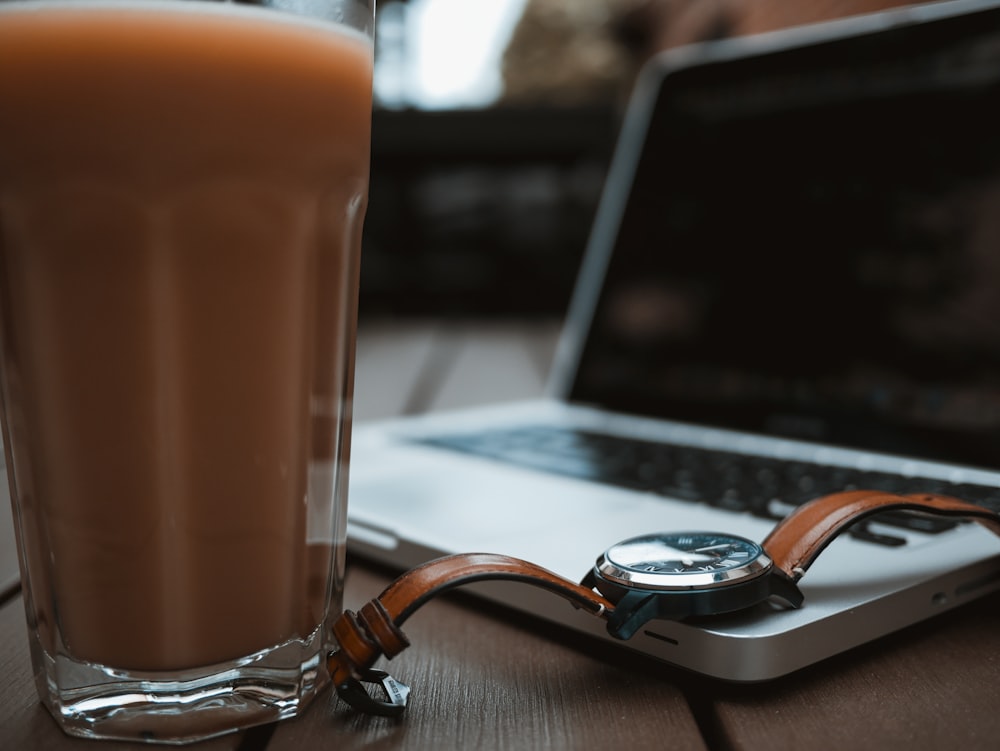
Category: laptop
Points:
column 792, row 287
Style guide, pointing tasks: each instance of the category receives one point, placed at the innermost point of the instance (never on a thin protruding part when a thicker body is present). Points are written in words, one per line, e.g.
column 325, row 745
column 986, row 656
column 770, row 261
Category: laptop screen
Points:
column 811, row 248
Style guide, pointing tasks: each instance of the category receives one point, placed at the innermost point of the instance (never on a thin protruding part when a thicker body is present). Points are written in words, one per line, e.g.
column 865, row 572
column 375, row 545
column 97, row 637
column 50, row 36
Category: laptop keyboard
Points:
column 768, row 488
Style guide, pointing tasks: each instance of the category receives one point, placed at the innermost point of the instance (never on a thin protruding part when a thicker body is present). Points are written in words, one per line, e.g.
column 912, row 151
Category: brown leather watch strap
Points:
column 792, row 546
column 375, row 629
column 801, row 536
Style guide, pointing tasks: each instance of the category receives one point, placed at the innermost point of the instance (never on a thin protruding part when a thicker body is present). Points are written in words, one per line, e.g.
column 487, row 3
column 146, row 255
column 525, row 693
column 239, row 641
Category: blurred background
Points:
column 493, row 128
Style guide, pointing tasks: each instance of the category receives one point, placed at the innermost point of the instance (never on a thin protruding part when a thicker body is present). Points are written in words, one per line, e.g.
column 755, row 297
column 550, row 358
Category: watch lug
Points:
column 636, row 609
column 630, row 614
column 784, row 588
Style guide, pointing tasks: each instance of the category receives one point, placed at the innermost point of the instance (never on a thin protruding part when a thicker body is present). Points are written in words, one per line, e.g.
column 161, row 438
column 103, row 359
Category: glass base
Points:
column 94, row 701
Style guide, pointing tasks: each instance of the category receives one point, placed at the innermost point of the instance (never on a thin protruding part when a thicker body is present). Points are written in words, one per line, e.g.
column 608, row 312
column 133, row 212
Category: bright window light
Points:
column 453, row 52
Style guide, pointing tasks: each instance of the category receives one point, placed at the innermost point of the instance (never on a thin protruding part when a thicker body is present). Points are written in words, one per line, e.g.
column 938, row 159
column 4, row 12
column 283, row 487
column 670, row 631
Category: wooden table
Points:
column 485, row 678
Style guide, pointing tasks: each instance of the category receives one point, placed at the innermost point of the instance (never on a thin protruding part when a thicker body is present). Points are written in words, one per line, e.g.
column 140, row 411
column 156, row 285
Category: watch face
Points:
column 683, row 560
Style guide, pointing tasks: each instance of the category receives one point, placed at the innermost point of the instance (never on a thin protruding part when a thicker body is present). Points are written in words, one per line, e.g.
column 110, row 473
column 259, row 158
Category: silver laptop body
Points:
column 789, row 270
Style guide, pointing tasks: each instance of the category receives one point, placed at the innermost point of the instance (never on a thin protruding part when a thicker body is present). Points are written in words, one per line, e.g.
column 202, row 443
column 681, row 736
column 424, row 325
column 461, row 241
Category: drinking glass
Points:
column 182, row 190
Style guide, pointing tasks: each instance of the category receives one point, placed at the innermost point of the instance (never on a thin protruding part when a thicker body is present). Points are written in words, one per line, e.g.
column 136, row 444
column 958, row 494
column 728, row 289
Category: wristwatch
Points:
column 657, row 576
column 674, row 575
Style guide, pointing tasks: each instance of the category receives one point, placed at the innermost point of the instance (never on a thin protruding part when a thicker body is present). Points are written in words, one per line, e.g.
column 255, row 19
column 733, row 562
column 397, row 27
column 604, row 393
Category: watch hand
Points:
column 721, row 546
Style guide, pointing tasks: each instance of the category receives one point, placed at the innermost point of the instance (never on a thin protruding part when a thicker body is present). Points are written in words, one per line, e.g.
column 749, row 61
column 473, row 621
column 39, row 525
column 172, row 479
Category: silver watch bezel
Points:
column 619, row 574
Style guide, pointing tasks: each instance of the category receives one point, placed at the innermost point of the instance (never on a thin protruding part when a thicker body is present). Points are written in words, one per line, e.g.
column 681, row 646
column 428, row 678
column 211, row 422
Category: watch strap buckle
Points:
column 396, row 694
